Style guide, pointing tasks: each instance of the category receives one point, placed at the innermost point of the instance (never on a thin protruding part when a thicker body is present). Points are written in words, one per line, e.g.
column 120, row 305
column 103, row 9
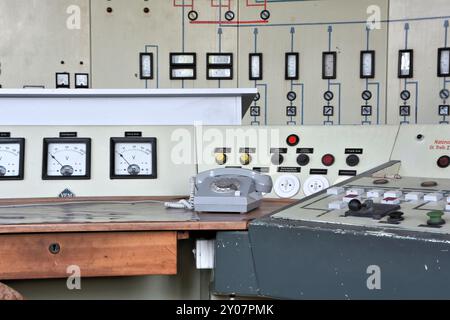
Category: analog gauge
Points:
column 133, row 158
column 405, row 64
column 292, row 72
column 329, row 65
column 146, row 66
column 444, row 62
column 63, row 80
column 367, row 64
column 81, row 81
column 11, row 158
column 66, row 159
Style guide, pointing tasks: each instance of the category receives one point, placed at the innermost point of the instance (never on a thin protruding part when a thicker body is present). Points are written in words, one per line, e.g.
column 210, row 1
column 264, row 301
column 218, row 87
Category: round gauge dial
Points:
column 11, row 159
column 66, row 158
column 133, row 158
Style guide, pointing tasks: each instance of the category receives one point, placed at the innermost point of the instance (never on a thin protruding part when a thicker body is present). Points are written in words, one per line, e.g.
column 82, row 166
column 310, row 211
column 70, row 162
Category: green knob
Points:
column 435, row 218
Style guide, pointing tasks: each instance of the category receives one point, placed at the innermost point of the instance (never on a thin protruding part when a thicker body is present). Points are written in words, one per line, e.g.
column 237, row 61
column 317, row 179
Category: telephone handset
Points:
column 227, row 190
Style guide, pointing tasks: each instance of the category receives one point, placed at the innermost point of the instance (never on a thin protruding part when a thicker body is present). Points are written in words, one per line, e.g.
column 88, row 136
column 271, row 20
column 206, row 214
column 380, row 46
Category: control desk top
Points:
column 382, row 200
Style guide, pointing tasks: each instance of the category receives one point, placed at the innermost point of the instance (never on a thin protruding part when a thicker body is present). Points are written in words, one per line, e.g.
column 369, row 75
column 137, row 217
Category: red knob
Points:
column 328, row 160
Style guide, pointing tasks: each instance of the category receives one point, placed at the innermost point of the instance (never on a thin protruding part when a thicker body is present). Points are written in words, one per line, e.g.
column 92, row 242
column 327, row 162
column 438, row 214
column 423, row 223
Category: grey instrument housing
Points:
column 230, row 190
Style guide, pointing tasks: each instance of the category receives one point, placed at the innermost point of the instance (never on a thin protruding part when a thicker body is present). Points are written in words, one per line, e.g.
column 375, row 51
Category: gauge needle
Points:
column 55, row 159
column 121, row 155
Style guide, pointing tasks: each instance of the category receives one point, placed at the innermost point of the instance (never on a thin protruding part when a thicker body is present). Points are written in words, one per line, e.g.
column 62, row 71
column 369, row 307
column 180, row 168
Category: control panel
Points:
column 48, row 161
column 301, row 160
column 410, row 192
column 405, row 203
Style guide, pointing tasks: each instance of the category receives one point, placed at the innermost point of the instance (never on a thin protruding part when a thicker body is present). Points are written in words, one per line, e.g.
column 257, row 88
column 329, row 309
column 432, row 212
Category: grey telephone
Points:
column 225, row 190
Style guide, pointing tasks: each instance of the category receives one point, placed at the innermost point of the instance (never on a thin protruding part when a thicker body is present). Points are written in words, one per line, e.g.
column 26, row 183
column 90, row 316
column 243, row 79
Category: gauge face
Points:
column 12, row 158
column 66, row 159
column 133, row 158
column 63, row 80
column 367, row 64
column 292, row 72
column 81, row 80
column 329, row 65
column 255, row 66
column 405, row 64
column 444, row 62
column 146, row 65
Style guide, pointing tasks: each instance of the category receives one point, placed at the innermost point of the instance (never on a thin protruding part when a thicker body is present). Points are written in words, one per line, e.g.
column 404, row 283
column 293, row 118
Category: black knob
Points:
column 54, row 248
column 443, row 162
column 395, row 216
column 355, row 205
column 352, row 160
column 303, row 159
column 277, row 159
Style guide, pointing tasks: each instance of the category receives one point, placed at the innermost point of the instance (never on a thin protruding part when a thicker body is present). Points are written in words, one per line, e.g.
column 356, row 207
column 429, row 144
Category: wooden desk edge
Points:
column 210, row 222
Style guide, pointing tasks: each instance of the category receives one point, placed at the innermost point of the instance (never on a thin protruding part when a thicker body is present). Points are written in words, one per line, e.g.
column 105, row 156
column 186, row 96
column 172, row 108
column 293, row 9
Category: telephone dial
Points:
column 226, row 190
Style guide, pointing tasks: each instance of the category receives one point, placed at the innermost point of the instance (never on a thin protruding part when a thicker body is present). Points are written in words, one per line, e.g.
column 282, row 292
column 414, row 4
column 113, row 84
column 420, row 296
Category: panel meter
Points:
column 183, row 66
column 66, row 159
column 255, row 66
column 444, row 62
column 405, row 64
column 63, row 80
column 81, row 80
column 219, row 66
column 133, row 158
column 146, row 66
column 12, row 157
column 292, row 66
column 329, row 65
column 367, row 64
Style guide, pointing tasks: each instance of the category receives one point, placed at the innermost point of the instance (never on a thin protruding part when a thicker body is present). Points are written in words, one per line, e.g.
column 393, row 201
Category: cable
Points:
column 184, row 204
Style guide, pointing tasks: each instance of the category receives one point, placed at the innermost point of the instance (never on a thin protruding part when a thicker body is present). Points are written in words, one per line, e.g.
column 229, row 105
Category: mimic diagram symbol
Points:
column 229, row 16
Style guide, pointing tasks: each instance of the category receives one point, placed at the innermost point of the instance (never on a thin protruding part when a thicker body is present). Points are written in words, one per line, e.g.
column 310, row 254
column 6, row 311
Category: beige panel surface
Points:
column 376, row 141
column 173, row 144
column 35, row 40
column 424, row 37
column 427, row 143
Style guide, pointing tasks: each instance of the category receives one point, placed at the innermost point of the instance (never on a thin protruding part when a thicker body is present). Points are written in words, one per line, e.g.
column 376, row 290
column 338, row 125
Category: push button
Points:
column 443, row 162
column 277, row 159
column 352, row 160
column 245, row 159
column 221, row 158
column 328, row 160
column 303, row 159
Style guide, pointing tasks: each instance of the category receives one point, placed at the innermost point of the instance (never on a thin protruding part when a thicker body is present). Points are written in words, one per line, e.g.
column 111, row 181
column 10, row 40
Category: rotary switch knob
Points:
column 277, row 159
column 352, row 160
column 245, row 159
column 303, row 159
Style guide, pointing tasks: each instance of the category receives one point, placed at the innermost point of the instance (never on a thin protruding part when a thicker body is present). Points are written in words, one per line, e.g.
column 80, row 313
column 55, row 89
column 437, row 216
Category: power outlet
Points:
column 287, row 186
column 315, row 184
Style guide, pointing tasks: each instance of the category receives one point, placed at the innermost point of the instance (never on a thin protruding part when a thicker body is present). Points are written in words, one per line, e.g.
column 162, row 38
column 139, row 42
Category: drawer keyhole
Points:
column 54, row 248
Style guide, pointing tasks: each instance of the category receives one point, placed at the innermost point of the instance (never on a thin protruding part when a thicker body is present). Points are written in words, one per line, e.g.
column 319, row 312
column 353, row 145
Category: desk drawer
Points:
column 100, row 254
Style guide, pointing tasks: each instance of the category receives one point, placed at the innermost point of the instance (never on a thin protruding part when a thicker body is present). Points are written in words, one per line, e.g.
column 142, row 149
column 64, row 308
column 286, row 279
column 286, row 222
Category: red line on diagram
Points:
column 222, row 4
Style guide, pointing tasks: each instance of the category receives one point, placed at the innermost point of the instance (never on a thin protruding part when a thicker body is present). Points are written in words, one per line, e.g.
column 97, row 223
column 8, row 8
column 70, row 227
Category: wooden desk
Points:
column 46, row 250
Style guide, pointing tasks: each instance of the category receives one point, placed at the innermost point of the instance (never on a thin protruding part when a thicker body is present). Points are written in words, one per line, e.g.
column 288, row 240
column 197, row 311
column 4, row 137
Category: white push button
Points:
column 433, row 197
